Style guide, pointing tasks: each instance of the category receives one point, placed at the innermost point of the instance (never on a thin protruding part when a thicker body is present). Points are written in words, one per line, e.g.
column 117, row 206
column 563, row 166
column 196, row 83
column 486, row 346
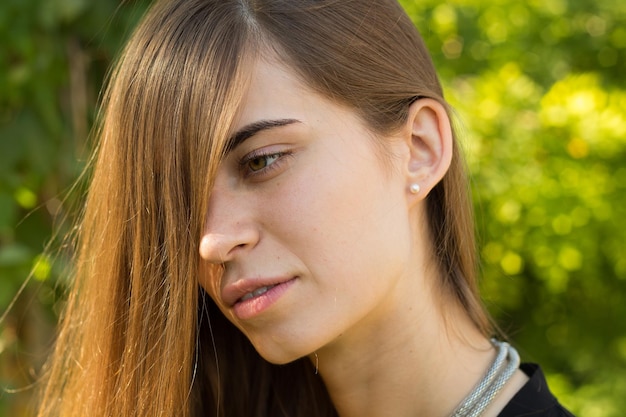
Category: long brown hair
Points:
column 138, row 337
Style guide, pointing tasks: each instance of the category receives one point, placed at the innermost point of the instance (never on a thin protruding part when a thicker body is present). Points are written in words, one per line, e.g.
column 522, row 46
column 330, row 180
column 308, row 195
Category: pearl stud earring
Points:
column 414, row 188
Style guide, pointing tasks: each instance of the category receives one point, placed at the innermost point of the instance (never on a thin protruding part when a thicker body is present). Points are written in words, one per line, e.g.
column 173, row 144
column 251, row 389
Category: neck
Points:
column 407, row 362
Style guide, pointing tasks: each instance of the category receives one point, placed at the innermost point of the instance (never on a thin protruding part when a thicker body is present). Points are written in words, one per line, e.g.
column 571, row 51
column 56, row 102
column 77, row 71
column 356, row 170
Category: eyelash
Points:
column 269, row 166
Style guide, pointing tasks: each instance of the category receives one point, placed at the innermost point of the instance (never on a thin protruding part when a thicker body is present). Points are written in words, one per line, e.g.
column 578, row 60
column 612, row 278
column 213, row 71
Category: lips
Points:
column 256, row 293
column 247, row 289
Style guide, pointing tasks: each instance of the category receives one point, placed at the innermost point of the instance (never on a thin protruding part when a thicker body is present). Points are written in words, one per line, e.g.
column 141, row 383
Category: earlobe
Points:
column 428, row 135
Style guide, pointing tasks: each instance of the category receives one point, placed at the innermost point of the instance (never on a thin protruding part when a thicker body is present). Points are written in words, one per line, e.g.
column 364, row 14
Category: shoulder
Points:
column 534, row 398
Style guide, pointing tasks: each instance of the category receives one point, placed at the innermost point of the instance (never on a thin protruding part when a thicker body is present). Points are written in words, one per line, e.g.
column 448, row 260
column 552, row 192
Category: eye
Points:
column 260, row 162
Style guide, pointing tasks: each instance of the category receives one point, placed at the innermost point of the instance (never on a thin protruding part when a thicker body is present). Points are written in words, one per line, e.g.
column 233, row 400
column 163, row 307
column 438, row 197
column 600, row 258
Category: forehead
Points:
column 274, row 92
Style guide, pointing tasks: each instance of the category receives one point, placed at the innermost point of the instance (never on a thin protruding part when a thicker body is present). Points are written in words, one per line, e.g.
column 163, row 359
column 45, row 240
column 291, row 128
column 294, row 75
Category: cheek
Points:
column 337, row 214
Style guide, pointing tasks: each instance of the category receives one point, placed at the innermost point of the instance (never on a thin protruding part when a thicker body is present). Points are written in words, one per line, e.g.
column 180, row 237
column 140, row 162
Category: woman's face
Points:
column 309, row 220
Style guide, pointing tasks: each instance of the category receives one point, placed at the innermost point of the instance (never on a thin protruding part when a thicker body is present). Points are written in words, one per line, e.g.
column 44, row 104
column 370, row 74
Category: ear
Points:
column 428, row 136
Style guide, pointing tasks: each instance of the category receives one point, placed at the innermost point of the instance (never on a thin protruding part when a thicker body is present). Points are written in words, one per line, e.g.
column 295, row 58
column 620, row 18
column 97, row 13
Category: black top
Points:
column 534, row 398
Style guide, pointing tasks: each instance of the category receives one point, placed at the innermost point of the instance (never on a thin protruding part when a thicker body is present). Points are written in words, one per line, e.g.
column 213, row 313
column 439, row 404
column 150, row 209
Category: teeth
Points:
column 257, row 292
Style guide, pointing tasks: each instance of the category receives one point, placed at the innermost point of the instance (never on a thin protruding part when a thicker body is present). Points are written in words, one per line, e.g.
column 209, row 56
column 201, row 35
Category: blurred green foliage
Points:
column 540, row 93
column 54, row 55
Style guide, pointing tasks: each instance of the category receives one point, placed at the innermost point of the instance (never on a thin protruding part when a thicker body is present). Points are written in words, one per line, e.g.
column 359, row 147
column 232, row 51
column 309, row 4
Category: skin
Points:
column 333, row 220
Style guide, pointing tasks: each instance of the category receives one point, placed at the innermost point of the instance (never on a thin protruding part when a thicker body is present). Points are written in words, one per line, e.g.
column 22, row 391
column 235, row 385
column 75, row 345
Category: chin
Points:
column 280, row 353
column 278, row 356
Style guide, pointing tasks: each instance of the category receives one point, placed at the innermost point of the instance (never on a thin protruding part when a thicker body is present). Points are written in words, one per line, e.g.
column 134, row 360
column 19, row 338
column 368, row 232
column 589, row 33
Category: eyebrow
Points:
column 252, row 129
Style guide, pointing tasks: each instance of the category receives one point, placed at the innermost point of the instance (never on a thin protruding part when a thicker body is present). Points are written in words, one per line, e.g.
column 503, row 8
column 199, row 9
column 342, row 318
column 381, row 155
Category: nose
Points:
column 229, row 230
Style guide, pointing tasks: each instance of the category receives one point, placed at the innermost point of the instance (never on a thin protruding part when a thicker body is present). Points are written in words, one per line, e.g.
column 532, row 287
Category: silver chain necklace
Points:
column 501, row 370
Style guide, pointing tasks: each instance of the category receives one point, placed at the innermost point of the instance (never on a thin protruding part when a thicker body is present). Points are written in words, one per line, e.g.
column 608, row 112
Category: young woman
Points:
column 278, row 224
